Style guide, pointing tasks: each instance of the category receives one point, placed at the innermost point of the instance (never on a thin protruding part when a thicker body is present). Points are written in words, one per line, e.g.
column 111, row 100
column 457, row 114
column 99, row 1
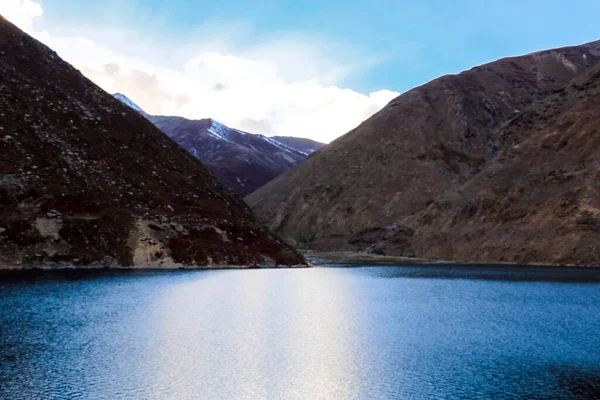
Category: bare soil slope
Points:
column 537, row 202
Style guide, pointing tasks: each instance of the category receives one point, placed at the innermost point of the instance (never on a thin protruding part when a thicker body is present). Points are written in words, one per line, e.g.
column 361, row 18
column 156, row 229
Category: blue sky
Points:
column 305, row 68
column 416, row 40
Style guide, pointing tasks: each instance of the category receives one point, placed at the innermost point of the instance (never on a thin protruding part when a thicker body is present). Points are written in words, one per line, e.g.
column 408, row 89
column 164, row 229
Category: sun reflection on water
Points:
column 255, row 342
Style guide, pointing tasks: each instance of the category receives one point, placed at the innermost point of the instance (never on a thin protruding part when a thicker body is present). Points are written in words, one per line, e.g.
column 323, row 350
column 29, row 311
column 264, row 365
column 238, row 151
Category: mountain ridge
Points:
column 356, row 193
column 242, row 160
column 305, row 145
column 124, row 99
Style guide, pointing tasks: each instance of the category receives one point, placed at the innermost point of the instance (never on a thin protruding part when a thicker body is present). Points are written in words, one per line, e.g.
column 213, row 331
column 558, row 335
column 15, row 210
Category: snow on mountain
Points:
column 222, row 132
column 282, row 146
column 218, row 130
column 124, row 99
column 242, row 160
column 304, row 145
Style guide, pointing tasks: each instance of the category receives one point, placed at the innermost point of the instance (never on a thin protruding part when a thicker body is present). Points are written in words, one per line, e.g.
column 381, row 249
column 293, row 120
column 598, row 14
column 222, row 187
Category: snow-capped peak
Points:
column 222, row 132
column 218, row 130
column 124, row 99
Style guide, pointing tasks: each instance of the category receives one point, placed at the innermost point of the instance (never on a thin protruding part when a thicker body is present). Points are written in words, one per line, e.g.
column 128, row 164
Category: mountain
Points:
column 454, row 169
column 304, row 145
column 87, row 181
column 124, row 99
column 537, row 201
column 242, row 160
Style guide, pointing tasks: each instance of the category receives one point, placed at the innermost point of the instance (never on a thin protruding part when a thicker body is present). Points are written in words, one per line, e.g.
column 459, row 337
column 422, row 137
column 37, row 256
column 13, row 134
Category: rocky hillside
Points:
column 85, row 180
column 243, row 161
column 307, row 146
column 537, row 201
column 493, row 164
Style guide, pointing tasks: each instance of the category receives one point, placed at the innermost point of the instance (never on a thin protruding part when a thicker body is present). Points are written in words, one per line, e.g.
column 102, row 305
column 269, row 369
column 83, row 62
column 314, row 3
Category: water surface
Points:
column 413, row 332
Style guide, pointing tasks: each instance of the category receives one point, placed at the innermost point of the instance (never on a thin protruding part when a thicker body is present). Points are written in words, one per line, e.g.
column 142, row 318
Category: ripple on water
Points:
column 362, row 333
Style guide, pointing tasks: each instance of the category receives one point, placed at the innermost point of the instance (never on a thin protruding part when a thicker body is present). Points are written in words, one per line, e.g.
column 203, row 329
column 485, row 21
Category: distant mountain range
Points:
column 126, row 100
column 304, row 145
column 85, row 181
column 497, row 163
column 242, row 160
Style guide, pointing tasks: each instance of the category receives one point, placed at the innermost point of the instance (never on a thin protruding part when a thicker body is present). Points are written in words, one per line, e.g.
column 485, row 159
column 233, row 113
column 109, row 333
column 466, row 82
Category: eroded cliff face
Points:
column 390, row 184
column 87, row 181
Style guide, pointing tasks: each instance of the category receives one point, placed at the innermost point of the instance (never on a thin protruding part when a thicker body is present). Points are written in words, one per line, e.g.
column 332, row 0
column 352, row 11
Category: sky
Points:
column 307, row 68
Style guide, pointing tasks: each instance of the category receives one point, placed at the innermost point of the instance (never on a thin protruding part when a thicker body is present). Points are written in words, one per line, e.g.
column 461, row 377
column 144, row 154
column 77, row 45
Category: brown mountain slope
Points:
column 538, row 201
column 405, row 158
column 86, row 180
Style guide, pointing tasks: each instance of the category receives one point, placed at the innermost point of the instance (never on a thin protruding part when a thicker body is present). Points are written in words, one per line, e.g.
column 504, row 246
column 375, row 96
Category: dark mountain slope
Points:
column 243, row 161
column 432, row 139
column 86, row 180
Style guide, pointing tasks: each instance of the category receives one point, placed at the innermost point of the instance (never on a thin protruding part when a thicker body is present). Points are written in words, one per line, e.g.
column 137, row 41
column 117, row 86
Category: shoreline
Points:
column 351, row 259
column 104, row 267
column 315, row 259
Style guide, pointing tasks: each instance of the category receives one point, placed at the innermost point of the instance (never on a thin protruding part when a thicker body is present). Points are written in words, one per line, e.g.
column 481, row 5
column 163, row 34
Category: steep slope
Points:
column 85, row 180
column 355, row 192
column 537, row 201
column 304, row 145
column 243, row 161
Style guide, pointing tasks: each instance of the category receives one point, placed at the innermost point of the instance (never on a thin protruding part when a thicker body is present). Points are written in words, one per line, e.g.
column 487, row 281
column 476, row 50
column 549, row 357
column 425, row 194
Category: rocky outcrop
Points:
column 87, row 181
column 435, row 162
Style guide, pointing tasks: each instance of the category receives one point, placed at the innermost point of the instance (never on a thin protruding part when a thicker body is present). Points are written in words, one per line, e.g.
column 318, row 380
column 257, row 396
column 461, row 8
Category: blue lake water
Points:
column 321, row 333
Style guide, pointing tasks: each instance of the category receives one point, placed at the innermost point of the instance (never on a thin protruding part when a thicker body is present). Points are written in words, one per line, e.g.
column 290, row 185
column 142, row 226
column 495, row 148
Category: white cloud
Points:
column 285, row 86
column 21, row 13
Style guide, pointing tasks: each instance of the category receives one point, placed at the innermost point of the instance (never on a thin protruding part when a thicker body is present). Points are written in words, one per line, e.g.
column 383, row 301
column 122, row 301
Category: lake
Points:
column 406, row 332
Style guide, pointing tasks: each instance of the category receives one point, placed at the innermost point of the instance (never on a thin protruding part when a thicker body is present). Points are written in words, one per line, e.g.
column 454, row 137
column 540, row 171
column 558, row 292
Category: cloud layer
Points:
column 284, row 86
